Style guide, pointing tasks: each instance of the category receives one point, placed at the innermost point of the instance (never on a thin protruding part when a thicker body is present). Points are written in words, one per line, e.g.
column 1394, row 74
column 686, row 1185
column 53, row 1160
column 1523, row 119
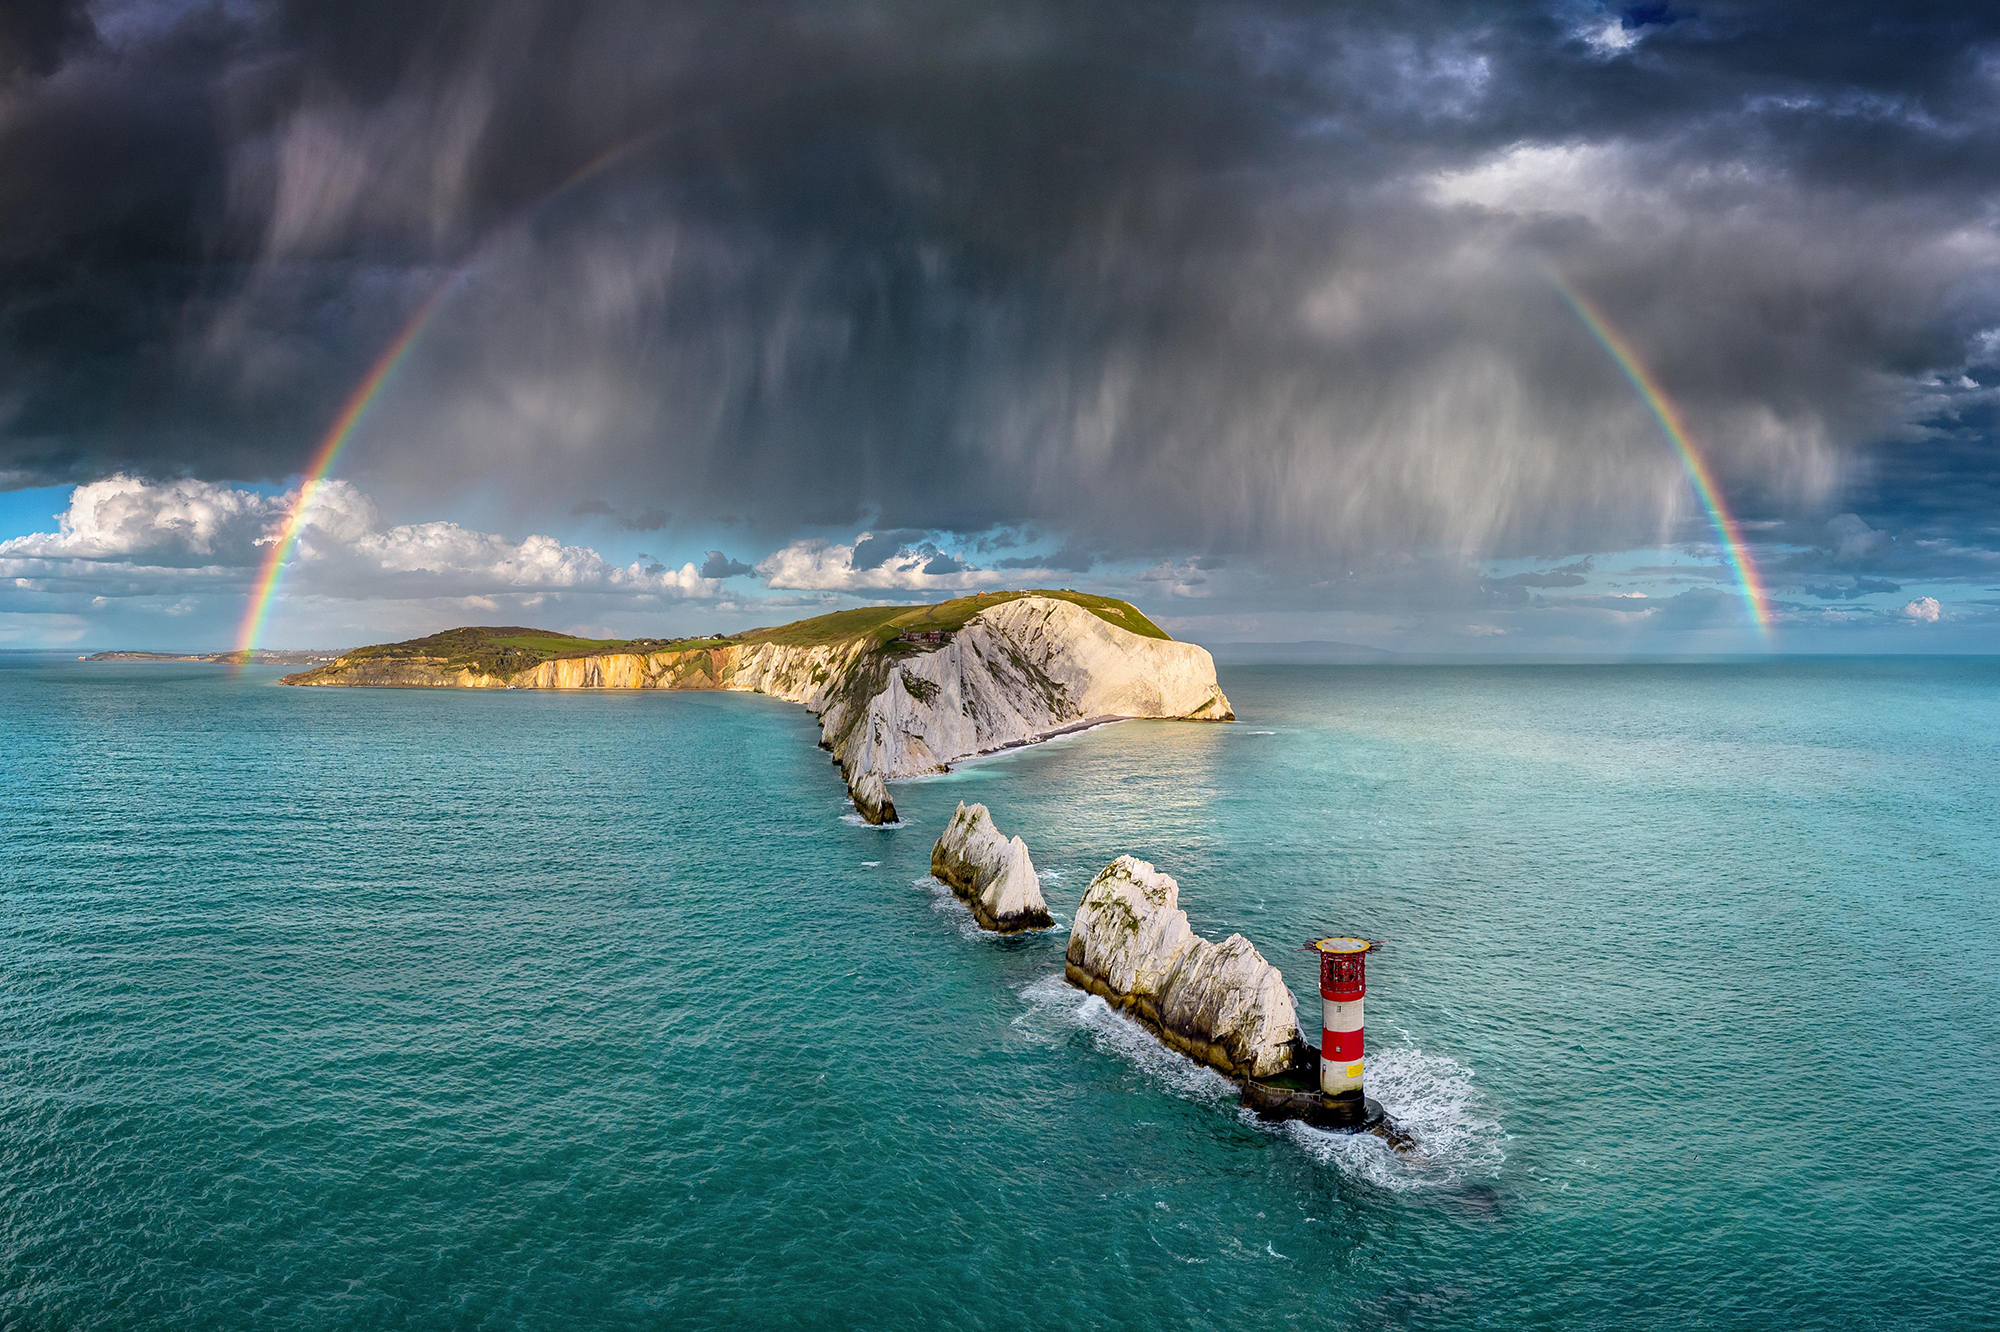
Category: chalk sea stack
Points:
column 1222, row 1003
column 870, row 795
column 899, row 691
column 991, row 872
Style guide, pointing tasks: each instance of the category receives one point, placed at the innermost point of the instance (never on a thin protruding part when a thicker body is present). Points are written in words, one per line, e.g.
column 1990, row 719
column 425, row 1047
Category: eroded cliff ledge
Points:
column 898, row 692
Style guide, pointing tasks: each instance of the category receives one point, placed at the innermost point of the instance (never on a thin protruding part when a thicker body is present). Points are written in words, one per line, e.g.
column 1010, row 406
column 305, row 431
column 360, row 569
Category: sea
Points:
column 326, row 1008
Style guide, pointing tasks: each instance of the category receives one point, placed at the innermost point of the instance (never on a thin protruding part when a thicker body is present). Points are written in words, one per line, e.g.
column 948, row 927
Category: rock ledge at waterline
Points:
column 991, row 872
column 1219, row 1002
column 899, row 691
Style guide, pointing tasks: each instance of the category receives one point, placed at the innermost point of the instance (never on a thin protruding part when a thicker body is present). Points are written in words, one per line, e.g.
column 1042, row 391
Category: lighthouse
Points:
column 1343, row 980
column 1327, row 1093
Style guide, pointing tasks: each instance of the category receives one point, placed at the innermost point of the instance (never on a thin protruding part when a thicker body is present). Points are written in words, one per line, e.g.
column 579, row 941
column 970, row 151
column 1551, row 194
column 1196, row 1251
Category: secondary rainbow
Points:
column 1735, row 551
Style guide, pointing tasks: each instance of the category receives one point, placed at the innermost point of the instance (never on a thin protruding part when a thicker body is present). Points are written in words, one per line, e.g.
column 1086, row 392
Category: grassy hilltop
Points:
column 505, row 649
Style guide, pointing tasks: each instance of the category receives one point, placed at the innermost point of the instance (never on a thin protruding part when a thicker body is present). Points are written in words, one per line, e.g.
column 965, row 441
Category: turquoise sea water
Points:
column 326, row 1008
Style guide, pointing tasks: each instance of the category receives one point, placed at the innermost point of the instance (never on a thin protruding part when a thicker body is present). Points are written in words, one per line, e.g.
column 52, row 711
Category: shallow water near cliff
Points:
column 333, row 1008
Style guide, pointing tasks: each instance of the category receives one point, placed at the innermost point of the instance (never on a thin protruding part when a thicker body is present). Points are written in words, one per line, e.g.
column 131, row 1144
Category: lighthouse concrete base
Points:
column 1295, row 1094
column 1272, row 1100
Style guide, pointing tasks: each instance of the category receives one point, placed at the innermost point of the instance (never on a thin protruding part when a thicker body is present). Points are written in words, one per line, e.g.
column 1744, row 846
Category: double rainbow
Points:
column 1735, row 551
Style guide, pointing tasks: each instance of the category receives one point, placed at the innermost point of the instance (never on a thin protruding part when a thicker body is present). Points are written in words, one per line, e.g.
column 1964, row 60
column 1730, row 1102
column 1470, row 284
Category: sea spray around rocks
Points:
column 1432, row 1095
column 1433, row 1099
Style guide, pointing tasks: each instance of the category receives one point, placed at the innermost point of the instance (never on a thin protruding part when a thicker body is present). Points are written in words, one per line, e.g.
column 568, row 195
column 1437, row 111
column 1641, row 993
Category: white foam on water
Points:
column 1260, row 733
column 1056, row 1009
column 871, row 864
column 1433, row 1099
column 860, row 822
column 949, row 905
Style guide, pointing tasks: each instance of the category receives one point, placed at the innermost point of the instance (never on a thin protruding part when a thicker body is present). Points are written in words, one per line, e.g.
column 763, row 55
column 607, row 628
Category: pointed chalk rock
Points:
column 871, row 798
column 1222, row 1003
column 992, row 873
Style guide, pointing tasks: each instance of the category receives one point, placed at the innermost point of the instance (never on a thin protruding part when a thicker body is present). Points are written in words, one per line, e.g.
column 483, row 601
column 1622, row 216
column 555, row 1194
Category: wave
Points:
column 1056, row 1010
column 1431, row 1096
column 860, row 822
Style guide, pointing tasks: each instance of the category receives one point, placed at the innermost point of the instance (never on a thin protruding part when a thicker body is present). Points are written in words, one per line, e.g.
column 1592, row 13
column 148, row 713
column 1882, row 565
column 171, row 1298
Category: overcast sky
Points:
column 1242, row 310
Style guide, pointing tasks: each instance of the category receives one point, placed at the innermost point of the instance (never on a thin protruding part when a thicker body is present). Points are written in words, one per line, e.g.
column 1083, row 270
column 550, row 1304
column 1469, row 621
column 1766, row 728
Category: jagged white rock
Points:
column 871, row 798
column 991, row 872
column 1220, row 1002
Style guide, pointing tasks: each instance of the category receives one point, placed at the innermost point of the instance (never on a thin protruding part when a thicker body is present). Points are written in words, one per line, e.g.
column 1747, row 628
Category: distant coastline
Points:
column 1310, row 653
column 254, row 657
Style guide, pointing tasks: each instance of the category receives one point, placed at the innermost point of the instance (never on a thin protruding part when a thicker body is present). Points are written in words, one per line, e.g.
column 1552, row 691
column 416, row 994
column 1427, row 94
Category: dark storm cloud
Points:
column 36, row 35
column 1852, row 588
column 1698, row 608
column 878, row 548
column 718, row 565
column 1070, row 557
column 645, row 520
column 1181, row 279
column 1574, row 574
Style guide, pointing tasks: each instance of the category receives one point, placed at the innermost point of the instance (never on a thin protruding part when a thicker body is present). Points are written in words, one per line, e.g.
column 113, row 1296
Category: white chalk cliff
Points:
column 1014, row 673
column 1220, row 1002
column 991, row 872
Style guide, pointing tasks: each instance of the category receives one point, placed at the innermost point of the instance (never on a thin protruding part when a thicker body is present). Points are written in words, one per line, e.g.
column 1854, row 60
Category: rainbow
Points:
column 265, row 590
column 1735, row 551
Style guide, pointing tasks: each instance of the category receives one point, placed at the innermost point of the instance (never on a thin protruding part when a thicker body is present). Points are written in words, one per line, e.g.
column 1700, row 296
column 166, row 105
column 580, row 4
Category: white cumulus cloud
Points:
column 127, row 520
column 1924, row 610
column 124, row 536
column 822, row 566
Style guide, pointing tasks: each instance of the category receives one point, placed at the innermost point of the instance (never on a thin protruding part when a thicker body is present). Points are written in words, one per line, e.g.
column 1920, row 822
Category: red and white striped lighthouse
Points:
column 1343, row 980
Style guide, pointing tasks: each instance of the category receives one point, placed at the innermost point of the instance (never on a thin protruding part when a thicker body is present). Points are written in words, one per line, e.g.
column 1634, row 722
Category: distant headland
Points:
column 899, row 691
column 237, row 657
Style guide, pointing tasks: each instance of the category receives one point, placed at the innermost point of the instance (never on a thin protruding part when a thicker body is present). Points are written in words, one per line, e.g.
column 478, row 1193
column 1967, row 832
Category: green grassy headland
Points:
column 505, row 649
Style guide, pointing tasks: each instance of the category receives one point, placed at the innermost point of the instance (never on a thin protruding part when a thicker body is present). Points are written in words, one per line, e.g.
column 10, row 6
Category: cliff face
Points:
column 992, row 873
column 1220, row 1002
column 1012, row 674
column 1017, row 673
